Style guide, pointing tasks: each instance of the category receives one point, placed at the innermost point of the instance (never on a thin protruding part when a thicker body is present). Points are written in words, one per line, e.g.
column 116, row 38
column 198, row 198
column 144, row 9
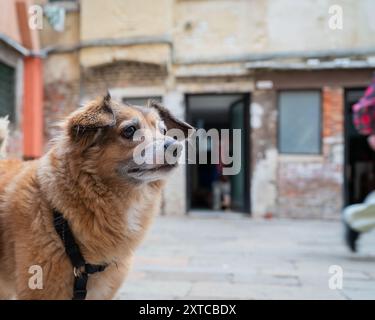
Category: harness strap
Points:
column 81, row 269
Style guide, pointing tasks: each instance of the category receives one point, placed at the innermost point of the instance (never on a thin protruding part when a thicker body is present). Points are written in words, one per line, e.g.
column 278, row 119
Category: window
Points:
column 299, row 122
column 7, row 91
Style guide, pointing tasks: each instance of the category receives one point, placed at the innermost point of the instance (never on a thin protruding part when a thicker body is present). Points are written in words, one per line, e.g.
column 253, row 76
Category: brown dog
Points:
column 93, row 176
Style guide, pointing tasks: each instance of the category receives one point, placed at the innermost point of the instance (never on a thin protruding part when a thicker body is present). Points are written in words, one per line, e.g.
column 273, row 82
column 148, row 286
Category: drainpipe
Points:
column 32, row 106
column 32, row 118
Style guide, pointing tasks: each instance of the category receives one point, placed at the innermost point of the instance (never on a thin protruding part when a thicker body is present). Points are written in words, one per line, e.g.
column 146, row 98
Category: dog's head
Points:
column 137, row 143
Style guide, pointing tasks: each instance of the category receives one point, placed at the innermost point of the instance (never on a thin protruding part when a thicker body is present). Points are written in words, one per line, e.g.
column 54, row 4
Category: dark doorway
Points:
column 7, row 91
column 207, row 187
column 359, row 173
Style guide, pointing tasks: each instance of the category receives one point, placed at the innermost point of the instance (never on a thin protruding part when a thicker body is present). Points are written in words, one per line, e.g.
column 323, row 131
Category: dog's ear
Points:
column 85, row 123
column 171, row 121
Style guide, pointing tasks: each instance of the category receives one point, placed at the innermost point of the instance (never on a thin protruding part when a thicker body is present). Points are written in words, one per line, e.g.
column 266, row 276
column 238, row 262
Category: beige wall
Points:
column 217, row 28
column 304, row 25
column 121, row 19
column 208, row 29
column 125, row 18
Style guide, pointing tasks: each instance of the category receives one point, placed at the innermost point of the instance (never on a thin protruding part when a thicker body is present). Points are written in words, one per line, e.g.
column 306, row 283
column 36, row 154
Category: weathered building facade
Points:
column 21, row 88
column 281, row 54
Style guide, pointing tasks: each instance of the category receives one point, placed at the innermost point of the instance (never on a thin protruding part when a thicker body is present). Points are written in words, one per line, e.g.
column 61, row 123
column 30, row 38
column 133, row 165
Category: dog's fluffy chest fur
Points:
column 137, row 213
column 107, row 229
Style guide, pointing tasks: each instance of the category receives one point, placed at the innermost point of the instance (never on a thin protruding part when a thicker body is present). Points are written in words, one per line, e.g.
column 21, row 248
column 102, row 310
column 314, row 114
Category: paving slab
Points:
column 211, row 257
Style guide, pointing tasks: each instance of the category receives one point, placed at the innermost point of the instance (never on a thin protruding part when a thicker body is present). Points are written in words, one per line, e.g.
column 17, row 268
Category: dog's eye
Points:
column 128, row 132
column 163, row 129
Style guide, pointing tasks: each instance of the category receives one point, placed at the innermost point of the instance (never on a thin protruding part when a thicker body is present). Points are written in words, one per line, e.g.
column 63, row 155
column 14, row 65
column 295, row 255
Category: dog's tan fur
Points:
column 107, row 213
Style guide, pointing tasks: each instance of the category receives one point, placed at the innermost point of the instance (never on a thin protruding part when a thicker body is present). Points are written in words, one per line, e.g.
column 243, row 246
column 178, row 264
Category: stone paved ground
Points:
column 233, row 257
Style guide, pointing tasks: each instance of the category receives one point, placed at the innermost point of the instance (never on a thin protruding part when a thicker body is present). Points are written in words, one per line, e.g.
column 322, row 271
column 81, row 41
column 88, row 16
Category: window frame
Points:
column 158, row 98
column 320, row 130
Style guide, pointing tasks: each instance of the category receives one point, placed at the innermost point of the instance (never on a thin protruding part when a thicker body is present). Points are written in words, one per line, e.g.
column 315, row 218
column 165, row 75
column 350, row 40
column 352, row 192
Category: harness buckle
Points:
column 79, row 271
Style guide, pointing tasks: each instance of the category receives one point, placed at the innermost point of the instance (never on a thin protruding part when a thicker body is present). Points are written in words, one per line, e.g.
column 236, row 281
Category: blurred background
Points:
column 285, row 72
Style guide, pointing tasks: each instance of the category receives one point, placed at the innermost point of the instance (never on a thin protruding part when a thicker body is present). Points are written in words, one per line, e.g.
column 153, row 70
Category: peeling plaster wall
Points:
column 311, row 186
column 264, row 153
column 174, row 196
column 297, row 186
column 263, row 186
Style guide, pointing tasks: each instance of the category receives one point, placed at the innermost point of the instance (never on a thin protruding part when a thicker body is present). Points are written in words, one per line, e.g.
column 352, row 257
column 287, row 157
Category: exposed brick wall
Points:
column 309, row 190
column 121, row 75
column 60, row 98
column 333, row 113
column 313, row 188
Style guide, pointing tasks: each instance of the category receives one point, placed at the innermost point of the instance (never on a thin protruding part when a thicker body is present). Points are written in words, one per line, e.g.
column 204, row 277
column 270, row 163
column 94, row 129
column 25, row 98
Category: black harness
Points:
column 81, row 269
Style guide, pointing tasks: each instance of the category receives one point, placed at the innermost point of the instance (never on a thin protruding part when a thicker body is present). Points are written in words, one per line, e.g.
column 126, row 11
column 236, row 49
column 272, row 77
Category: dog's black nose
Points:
column 168, row 143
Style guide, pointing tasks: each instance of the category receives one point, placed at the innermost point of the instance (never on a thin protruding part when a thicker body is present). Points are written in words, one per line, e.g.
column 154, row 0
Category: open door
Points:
column 239, row 119
column 207, row 188
column 359, row 170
